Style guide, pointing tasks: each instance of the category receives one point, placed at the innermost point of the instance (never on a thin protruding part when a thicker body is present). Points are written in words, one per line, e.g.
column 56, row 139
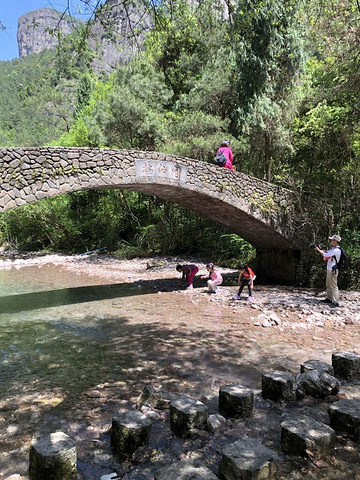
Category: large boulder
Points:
column 317, row 384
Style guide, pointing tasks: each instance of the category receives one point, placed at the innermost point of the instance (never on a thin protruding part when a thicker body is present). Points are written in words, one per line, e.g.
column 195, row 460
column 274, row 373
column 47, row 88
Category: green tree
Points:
column 325, row 170
column 269, row 54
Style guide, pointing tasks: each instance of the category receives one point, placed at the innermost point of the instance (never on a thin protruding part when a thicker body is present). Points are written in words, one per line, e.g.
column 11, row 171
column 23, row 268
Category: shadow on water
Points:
column 48, row 390
column 92, row 293
column 50, row 367
column 73, row 374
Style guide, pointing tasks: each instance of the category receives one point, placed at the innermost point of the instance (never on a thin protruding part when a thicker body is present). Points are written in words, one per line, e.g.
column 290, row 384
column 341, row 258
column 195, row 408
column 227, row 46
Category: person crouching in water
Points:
column 214, row 279
column 188, row 274
column 246, row 277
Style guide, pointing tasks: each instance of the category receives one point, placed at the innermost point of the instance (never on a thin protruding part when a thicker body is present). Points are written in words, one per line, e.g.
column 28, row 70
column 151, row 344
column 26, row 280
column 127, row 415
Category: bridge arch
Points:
column 258, row 211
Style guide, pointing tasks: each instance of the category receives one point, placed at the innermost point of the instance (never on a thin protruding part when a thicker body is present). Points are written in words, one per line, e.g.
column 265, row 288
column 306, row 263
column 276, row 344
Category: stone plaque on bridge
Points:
column 160, row 169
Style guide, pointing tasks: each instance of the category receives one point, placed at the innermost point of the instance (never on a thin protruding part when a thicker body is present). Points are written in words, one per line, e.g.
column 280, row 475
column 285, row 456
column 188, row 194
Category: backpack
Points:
column 344, row 261
column 220, row 159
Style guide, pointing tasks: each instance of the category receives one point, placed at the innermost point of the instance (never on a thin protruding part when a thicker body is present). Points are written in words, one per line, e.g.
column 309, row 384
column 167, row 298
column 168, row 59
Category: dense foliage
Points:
column 279, row 78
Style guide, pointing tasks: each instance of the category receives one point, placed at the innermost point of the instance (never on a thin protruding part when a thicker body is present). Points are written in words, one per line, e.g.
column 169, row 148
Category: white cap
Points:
column 335, row 237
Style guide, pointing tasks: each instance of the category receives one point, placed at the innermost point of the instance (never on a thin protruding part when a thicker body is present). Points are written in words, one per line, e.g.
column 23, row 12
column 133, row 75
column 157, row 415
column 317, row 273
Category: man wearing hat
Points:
column 332, row 258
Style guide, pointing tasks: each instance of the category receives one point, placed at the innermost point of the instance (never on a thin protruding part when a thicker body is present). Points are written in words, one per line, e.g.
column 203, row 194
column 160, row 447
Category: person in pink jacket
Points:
column 226, row 150
column 214, row 278
column 188, row 274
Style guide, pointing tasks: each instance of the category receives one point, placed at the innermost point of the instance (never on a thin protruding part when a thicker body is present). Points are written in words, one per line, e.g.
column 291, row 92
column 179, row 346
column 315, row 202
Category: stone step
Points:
column 248, row 459
column 236, row 401
column 305, row 436
column 278, row 386
column 346, row 365
column 187, row 413
column 53, row 457
column 345, row 417
column 129, row 431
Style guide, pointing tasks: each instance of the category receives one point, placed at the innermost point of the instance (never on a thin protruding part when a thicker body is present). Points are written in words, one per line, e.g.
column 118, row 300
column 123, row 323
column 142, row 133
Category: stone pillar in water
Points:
column 53, row 457
column 129, row 431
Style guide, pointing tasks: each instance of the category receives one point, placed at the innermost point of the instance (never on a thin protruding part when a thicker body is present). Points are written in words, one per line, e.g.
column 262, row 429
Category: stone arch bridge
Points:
column 258, row 211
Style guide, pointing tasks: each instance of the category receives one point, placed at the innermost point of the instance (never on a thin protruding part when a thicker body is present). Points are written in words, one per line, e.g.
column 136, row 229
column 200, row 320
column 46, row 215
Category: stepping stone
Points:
column 185, row 471
column 53, row 456
column 129, row 431
column 305, row 436
column 236, row 401
column 345, row 417
column 346, row 365
column 187, row 413
column 248, row 459
column 278, row 386
column 316, row 365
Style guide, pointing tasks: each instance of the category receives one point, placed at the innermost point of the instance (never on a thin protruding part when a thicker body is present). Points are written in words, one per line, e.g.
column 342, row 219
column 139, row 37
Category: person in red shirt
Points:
column 226, row 150
column 246, row 277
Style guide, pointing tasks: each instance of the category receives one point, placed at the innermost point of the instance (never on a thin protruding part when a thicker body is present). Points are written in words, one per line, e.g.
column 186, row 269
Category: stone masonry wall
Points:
column 249, row 206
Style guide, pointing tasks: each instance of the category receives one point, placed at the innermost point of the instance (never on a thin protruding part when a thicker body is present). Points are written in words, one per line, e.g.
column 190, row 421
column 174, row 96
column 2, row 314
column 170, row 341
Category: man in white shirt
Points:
column 332, row 257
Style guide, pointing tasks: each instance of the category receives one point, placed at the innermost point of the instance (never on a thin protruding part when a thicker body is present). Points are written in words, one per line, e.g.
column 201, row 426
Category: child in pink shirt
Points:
column 214, row 278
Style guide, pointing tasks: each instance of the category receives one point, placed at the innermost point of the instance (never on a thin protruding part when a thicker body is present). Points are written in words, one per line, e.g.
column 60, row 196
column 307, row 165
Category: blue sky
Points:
column 15, row 8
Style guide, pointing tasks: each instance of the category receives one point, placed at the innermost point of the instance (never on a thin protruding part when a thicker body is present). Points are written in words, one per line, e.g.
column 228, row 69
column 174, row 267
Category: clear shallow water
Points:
column 75, row 349
column 56, row 345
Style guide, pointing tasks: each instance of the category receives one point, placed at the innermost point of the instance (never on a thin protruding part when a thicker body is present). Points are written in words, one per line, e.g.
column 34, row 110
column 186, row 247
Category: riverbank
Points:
column 83, row 342
column 299, row 306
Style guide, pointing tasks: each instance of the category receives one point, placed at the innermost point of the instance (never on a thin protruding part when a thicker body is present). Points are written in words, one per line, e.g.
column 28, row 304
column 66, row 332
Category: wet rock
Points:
column 53, row 456
column 187, row 413
column 316, row 365
column 278, row 386
column 129, row 431
column 346, row 365
column 305, row 436
column 317, row 384
column 215, row 422
column 185, row 471
column 275, row 319
column 236, row 401
column 248, row 459
column 156, row 398
column 150, row 413
column 345, row 417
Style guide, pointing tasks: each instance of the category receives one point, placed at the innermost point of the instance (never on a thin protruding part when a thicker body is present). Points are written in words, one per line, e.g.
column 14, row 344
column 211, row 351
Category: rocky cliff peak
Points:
column 118, row 32
column 38, row 30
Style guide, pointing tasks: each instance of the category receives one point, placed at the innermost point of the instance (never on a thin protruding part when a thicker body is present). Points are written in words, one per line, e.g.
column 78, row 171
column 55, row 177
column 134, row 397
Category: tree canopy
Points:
column 279, row 78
